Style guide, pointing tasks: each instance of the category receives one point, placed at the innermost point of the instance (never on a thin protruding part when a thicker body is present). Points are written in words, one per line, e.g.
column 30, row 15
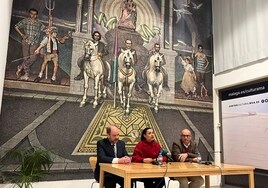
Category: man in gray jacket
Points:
column 186, row 151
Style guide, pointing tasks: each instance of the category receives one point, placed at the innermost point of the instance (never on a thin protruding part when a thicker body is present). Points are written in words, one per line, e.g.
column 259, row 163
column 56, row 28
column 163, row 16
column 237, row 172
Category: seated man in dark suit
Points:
column 111, row 150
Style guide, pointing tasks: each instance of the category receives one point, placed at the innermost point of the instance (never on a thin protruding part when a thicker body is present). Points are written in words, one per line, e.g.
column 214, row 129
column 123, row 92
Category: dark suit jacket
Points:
column 105, row 154
column 102, row 49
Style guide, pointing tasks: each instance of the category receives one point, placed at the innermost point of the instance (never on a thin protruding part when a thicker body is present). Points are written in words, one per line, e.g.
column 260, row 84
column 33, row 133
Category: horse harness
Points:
column 98, row 57
column 126, row 74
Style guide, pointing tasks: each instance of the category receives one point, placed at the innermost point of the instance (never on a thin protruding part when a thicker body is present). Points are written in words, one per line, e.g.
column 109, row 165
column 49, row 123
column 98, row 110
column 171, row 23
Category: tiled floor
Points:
column 64, row 78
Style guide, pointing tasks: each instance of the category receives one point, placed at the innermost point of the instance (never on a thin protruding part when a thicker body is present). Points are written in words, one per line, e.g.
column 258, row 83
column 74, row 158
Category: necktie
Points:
column 115, row 151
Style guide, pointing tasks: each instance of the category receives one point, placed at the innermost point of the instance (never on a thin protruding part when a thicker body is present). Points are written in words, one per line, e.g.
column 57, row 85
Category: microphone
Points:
column 155, row 163
column 208, row 161
column 164, row 153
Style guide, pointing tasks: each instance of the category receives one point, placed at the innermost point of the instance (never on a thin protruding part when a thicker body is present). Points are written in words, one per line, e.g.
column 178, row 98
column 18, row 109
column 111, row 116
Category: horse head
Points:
column 90, row 49
column 156, row 62
column 127, row 58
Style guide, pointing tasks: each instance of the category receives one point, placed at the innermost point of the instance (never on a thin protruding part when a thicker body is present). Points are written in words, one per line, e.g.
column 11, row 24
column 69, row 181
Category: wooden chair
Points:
column 93, row 161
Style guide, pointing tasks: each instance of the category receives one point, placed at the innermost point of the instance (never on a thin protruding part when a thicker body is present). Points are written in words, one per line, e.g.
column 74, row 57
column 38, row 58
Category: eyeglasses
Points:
column 128, row 43
column 183, row 135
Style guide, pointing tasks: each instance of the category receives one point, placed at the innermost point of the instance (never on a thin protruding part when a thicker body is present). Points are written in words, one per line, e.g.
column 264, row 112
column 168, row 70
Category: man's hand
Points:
column 124, row 160
column 36, row 52
column 24, row 37
column 183, row 156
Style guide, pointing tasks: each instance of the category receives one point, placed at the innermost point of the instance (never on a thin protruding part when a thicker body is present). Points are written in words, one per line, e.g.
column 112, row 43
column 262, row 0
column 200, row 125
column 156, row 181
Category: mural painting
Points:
column 187, row 34
column 144, row 55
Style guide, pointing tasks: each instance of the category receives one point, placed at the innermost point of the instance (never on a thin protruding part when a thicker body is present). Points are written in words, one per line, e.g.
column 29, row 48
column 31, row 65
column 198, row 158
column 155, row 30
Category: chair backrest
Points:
column 93, row 162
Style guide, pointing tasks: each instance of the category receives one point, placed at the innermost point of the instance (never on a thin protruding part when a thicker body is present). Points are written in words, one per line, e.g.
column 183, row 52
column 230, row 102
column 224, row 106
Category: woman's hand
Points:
column 147, row 160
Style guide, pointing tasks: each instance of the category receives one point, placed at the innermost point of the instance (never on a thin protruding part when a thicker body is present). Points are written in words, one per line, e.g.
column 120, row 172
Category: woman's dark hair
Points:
column 144, row 132
column 95, row 33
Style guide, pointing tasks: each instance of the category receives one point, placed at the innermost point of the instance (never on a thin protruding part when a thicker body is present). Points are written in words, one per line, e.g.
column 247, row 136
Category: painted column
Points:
column 77, row 86
column 162, row 29
column 78, row 16
column 170, row 24
column 5, row 15
column 90, row 16
column 170, row 55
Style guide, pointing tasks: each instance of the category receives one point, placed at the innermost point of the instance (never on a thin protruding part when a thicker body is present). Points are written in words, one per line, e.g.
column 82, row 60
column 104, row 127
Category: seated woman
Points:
column 146, row 151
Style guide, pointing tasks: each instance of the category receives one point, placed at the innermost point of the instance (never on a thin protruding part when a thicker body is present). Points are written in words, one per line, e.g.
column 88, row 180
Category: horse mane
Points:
column 120, row 60
column 152, row 59
column 121, row 56
column 87, row 43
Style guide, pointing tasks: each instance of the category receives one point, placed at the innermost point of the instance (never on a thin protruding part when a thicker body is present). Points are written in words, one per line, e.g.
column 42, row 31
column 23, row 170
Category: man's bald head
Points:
column 112, row 133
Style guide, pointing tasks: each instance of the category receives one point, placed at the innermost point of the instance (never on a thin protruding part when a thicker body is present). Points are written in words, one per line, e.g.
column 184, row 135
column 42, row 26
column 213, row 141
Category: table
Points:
column 173, row 169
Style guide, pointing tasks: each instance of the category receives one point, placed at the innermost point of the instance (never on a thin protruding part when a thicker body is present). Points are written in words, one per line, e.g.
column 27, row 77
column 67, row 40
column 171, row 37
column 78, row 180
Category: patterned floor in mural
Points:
column 130, row 127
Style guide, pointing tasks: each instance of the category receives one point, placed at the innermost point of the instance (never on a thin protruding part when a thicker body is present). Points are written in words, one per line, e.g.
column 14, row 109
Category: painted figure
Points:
column 111, row 150
column 102, row 51
column 188, row 83
column 128, row 46
column 128, row 15
column 93, row 67
column 201, row 66
column 138, row 78
column 126, row 77
column 185, row 150
column 154, row 78
column 155, row 51
column 30, row 30
column 50, row 42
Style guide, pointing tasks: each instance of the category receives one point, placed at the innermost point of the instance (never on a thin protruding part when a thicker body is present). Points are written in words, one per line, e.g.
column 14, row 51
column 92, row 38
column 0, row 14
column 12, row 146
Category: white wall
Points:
column 5, row 15
column 243, row 74
column 226, row 32
column 254, row 71
column 240, row 32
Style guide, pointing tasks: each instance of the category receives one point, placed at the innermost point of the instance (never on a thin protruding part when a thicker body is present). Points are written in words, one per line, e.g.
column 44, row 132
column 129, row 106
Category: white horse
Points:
column 155, row 78
column 126, row 77
column 93, row 68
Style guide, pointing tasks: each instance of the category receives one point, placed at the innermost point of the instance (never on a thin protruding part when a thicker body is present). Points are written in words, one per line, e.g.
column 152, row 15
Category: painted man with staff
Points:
column 51, row 45
column 30, row 31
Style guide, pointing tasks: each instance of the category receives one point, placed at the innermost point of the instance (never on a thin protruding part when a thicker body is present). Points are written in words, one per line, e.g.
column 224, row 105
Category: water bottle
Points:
column 199, row 158
column 160, row 159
